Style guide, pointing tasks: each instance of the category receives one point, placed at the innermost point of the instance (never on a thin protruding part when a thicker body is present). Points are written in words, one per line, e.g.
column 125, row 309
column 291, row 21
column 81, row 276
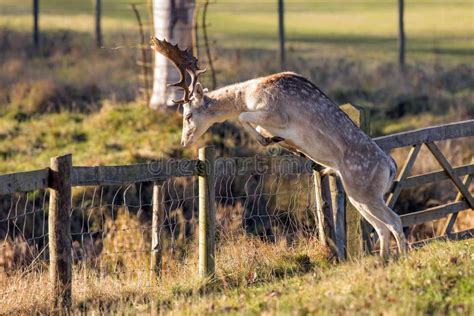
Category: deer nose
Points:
column 183, row 143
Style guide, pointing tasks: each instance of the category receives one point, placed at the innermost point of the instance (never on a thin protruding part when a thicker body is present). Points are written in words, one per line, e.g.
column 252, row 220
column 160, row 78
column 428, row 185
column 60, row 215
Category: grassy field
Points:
column 437, row 31
column 142, row 135
column 348, row 48
column 358, row 29
column 264, row 279
column 434, row 280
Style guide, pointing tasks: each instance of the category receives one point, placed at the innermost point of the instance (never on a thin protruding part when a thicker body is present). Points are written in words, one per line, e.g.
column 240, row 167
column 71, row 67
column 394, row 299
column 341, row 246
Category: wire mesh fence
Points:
column 23, row 229
column 111, row 233
column 111, row 226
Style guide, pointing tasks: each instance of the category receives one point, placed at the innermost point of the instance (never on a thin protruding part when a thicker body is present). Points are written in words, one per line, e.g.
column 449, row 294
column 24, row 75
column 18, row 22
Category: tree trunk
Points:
column 173, row 20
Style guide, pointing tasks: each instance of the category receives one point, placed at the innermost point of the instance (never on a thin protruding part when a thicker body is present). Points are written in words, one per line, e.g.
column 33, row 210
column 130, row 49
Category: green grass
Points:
column 254, row 278
column 436, row 30
column 114, row 135
column 438, row 279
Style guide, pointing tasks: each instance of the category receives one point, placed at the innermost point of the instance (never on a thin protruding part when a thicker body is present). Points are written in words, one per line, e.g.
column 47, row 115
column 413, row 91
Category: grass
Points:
column 435, row 280
column 243, row 261
column 437, row 31
column 369, row 27
column 267, row 279
column 115, row 135
column 70, row 97
column 353, row 61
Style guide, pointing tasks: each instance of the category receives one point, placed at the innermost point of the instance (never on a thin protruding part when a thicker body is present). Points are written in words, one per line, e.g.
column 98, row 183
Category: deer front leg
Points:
column 261, row 118
column 264, row 141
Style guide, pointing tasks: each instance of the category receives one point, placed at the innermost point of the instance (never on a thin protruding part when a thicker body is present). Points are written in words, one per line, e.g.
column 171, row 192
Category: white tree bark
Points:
column 173, row 20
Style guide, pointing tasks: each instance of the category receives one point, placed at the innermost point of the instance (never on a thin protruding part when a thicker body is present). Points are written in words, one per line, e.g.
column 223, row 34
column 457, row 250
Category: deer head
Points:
column 194, row 103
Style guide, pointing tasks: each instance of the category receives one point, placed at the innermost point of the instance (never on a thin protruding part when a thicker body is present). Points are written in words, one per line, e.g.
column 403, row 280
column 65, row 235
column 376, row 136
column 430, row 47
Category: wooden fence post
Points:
column 401, row 34
column 36, row 23
column 207, row 213
column 324, row 209
column 59, row 228
column 323, row 230
column 357, row 228
column 281, row 33
column 157, row 222
column 338, row 202
column 98, row 26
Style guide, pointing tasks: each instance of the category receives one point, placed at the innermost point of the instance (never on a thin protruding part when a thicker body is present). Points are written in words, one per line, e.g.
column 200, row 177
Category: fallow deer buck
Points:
column 289, row 109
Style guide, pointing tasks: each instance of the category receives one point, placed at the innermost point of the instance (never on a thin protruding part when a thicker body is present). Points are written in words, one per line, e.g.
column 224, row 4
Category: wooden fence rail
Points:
column 149, row 172
column 339, row 226
column 24, row 181
column 425, row 135
column 162, row 170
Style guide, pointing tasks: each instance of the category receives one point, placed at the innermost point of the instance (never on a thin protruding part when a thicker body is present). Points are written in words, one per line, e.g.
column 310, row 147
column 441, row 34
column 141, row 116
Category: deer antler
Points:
column 184, row 61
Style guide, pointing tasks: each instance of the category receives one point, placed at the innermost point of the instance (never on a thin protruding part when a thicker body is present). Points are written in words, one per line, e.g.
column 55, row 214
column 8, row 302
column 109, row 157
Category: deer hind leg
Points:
column 394, row 224
column 367, row 195
column 265, row 119
column 380, row 228
column 380, row 212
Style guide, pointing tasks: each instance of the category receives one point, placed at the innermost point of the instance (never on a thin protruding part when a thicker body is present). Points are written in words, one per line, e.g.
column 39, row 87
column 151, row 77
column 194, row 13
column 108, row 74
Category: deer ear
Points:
column 198, row 91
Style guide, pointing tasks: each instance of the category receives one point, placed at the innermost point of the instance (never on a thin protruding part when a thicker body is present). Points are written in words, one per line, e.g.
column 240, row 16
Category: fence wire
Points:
column 111, row 225
column 23, row 230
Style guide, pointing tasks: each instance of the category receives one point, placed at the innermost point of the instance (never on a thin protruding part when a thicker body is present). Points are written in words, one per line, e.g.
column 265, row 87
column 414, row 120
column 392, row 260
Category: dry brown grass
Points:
column 68, row 73
column 241, row 261
column 410, row 284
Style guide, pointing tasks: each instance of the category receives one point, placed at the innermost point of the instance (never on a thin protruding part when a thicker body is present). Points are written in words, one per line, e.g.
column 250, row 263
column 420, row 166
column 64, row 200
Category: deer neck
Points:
column 227, row 102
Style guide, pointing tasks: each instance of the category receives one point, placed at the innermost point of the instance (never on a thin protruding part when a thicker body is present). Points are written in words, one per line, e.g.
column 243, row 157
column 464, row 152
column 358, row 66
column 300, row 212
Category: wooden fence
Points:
column 339, row 226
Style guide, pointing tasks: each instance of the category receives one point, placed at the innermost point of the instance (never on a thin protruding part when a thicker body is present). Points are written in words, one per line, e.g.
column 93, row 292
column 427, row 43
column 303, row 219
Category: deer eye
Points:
column 188, row 117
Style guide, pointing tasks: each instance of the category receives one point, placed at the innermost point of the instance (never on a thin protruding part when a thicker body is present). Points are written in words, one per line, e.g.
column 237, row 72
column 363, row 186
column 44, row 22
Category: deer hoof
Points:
column 277, row 139
column 264, row 141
